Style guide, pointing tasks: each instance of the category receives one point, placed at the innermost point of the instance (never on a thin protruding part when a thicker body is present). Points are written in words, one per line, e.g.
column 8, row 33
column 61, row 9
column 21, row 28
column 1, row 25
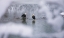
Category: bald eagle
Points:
column 24, row 15
column 33, row 17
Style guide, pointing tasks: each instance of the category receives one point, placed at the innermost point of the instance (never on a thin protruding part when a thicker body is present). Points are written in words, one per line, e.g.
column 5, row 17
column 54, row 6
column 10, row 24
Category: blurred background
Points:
column 30, row 7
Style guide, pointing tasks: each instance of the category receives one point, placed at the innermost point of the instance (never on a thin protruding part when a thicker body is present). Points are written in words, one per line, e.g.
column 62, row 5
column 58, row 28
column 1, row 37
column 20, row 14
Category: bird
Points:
column 33, row 17
column 23, row 15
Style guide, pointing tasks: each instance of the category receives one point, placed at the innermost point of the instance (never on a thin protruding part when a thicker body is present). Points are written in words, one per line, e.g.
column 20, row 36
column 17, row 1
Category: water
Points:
column 38, row 26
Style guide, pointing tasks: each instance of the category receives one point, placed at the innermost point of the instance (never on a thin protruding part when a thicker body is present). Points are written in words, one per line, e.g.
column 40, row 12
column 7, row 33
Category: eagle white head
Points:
column 32, row 14
column 25, row 13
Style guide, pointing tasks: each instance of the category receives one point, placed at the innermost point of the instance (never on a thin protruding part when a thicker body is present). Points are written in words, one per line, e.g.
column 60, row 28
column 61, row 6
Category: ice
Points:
column 13, row 28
